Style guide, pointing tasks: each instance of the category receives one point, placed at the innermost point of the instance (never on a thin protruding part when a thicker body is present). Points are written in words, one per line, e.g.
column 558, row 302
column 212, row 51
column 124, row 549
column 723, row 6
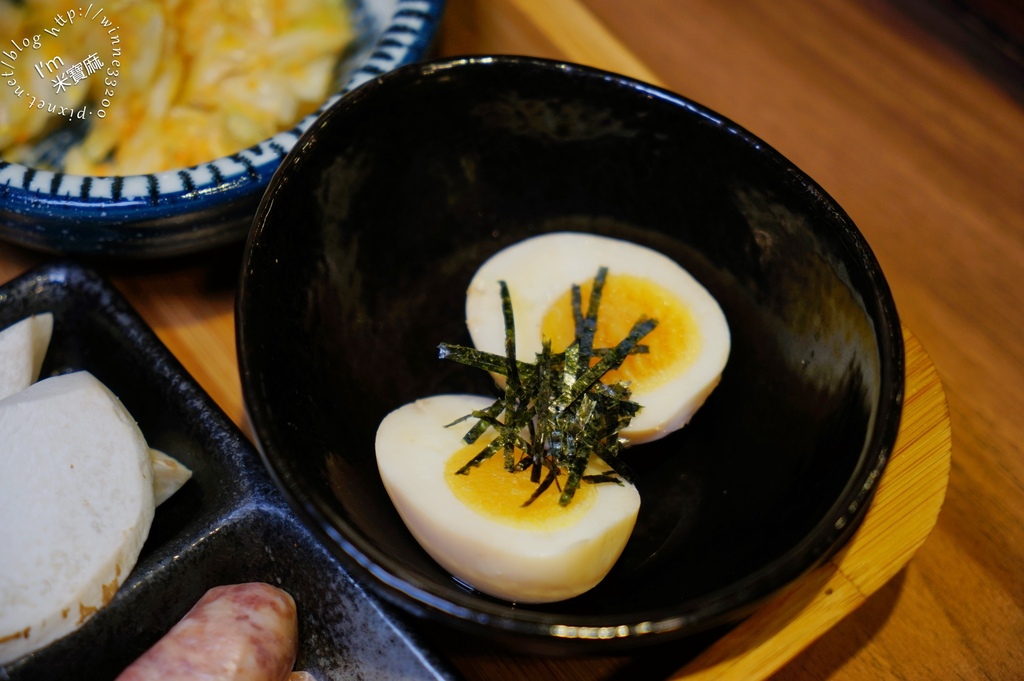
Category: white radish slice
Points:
column 76, row 504
column 22, row 349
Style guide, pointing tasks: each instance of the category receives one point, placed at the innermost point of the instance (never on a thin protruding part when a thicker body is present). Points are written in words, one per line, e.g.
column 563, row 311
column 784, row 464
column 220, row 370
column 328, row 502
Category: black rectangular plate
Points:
column 228, row 524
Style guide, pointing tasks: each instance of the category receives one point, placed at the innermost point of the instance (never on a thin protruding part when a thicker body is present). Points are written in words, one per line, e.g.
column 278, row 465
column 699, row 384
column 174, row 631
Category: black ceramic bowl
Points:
column 356, row 269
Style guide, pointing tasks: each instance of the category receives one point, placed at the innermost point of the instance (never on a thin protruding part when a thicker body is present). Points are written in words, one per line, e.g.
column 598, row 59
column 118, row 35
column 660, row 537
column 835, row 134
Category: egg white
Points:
column 539, row 270
column 525, row 565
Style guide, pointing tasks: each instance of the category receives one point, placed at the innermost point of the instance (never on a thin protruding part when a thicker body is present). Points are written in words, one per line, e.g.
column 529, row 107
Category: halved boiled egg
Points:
column 475, row 525
column 687, row 350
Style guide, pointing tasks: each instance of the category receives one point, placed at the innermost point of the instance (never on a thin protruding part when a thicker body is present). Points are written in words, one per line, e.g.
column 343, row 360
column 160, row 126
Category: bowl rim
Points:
column 377, row 570
column 63, row 200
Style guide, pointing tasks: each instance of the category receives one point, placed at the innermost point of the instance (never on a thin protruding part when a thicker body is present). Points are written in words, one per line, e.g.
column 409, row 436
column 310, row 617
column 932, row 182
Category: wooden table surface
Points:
column 918, row 131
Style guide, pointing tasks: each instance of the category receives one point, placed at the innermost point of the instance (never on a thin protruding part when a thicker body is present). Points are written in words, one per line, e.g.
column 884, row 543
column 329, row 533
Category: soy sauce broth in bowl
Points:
column 357, row 268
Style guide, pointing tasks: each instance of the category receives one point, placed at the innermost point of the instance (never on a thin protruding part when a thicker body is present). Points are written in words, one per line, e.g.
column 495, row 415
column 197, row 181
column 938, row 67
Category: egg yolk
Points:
column 673, row 344
column 493, row 492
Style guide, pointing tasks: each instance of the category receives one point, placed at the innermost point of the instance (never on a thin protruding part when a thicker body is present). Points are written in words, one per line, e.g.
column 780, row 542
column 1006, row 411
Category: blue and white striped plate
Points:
column 196, row 208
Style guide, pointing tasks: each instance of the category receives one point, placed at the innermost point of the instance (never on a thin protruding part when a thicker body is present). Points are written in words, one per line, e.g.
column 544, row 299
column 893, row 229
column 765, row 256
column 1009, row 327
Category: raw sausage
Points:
column 241, row 631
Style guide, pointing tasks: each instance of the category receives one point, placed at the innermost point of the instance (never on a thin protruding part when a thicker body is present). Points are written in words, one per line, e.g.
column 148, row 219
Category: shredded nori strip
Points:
column 559, row 400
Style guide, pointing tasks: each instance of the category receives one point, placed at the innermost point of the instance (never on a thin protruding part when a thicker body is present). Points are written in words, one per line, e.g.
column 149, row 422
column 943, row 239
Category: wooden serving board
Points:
column 906, row 503
column 910, row 495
